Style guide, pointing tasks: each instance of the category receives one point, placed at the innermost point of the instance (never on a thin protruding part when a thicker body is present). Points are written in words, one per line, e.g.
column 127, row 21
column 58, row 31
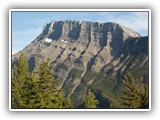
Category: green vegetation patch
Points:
column 68, row 88
column 107, row 85
column 89, row 76
column 75, row 73
column 63, row 66
column 99, row 77
column 79, row 95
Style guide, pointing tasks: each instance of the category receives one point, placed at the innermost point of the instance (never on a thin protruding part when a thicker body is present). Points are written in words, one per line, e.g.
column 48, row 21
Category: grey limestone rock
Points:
column 87, row 47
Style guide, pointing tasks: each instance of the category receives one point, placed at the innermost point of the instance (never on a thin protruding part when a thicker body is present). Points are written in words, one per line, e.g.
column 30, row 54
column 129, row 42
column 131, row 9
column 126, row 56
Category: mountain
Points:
column 90, row 55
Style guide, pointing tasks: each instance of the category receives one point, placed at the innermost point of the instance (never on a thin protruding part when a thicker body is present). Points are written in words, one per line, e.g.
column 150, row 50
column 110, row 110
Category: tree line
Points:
column 36, row 90
column 39, row 89
column 134, row 95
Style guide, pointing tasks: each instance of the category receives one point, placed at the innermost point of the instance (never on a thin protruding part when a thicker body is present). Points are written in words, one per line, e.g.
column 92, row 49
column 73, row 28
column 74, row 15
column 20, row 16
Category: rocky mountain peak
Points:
column 72, row 29
column 87, row 53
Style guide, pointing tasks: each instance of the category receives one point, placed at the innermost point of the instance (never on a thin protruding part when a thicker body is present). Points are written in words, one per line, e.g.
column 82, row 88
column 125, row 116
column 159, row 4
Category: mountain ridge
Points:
column 87, row 54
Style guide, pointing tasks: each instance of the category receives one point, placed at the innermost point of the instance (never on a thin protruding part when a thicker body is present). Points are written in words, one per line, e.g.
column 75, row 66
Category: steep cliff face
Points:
column 90, row 55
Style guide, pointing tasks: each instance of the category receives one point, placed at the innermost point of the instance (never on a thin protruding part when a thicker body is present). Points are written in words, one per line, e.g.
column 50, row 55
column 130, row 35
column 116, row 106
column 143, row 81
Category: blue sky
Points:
column 26, row 26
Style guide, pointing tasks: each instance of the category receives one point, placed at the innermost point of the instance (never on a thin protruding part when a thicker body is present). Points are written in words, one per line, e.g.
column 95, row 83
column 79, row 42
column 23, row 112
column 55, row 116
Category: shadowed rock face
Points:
column 84, row 53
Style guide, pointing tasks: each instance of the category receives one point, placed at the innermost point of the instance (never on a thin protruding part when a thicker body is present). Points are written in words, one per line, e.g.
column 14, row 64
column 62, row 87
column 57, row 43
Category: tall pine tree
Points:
column 37, row 91
column 20, row 76
column 90, row 101
column 67, row 102
column 143, row 92
column 47, row 93
column 135, row 95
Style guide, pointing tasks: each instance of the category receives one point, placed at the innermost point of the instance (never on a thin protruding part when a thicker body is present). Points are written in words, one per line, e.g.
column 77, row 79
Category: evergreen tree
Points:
column 110, row 105
column 31, row 93
column 90, row 101
column 134, row 94
column 67, row 103
column 47, row 94
column 143, row 92
column 19, row 77
column 37, row 91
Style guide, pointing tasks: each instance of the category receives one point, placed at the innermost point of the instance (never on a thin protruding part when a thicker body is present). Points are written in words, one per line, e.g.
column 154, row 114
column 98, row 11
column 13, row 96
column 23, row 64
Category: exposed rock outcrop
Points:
column 89, row 54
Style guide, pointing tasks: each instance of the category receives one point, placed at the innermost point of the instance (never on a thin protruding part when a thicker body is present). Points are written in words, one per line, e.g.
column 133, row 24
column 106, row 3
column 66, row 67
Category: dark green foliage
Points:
column 37, row 91
column 135, row 95
column 90, row 101
column 105, row 84
column 74, row 49
column 69, row 84
column 75, row 73
column 102, row 99
column 41, row 90
column 78, row 96
column 19, row 85
column 145, row 97
column 68, row 88
column 67, row 103
column 110, row 106
column 88, row 76
column 63, row 66
column 99, row 77
column 46, row 91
